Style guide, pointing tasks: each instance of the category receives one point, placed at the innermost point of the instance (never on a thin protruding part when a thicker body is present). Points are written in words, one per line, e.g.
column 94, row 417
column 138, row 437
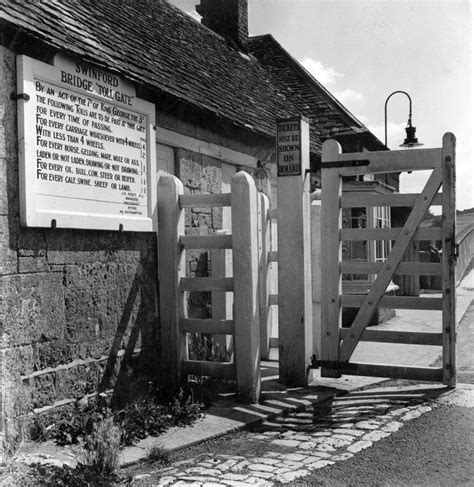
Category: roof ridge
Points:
column 320, row 86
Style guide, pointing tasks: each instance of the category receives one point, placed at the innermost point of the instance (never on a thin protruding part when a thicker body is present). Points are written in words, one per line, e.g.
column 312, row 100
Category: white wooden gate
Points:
column 173, row 284
column 338, row 344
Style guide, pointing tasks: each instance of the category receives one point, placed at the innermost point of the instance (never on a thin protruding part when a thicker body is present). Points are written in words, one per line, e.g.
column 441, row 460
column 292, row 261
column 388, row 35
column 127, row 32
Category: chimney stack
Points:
column 228, row 18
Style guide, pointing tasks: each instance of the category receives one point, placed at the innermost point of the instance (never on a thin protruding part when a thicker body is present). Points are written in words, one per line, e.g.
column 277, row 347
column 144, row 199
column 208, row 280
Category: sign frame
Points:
column 34, row 210
column 280, row 144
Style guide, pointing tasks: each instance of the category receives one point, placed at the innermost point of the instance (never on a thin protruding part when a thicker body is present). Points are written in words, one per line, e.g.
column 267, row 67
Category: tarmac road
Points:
column 436, row 449
column 394, row 433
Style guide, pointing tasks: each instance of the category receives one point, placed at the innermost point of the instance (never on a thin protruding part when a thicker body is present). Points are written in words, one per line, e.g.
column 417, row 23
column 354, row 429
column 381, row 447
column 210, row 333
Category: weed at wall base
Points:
column 102, row 448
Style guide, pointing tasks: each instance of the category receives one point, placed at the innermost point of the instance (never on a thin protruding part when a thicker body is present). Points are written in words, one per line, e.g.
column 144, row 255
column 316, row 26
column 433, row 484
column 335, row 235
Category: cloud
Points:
column 324, row 74
column 395, row 133
column 349, row 96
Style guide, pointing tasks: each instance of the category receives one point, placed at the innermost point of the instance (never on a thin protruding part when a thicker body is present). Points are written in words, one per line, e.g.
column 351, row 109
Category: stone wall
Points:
column 79, row 310
column 199, row 174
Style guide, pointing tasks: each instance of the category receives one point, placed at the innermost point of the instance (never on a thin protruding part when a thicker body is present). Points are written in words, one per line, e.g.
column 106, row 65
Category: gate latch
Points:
column 456, row 251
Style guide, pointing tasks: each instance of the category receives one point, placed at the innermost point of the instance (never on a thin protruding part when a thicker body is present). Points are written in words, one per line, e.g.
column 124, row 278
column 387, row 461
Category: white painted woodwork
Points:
column 273, row 299
column 393, row 336
column 230, row 156
column 316, row 275
column 294, row 271
column 442, row 162
column 392, row 161
column 404, row 268
column 360, row 234
column 218, row 370
column 246, row 294
column 331, row 223
column 448, row 261
column 273, row 213
column 223, row 284
column 206, row 241
column 171, row 268
column 210, row 326
column 384, row 277
column 221, row 305
column 264, row 245
column 164, row 160
column 204, row 200
column 396, row 199
column 273, row 256
column 434, row 374
column 394, row 302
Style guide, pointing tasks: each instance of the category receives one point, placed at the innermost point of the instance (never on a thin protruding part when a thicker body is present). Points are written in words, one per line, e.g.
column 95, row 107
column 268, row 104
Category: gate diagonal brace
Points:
column 383, row 278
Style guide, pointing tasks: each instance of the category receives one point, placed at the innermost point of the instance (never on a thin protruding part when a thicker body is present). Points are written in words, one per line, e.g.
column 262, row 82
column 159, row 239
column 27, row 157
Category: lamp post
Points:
column 411, row 140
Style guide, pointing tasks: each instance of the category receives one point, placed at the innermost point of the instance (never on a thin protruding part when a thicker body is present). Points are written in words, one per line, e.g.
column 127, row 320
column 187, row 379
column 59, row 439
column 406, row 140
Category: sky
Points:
column 363, row 50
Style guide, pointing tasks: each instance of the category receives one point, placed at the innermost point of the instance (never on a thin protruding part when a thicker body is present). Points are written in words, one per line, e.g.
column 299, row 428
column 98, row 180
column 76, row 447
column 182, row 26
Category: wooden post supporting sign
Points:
column 294, row 251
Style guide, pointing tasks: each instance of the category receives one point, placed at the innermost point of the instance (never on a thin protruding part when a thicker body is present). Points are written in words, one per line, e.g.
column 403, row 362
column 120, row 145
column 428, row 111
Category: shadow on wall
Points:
column 81, row 316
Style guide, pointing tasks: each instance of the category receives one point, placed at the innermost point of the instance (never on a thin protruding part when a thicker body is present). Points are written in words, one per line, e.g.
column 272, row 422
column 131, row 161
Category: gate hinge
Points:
column 330, row 364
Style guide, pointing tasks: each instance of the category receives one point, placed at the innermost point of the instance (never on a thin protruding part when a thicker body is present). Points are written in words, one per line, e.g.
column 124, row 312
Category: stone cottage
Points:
column 79, row 295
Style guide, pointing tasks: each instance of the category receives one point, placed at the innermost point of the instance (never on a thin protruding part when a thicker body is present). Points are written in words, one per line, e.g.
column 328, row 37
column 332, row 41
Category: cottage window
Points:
column 364, row 251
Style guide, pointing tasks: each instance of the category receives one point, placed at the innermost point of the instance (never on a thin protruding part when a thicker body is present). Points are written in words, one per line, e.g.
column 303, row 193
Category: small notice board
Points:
column 289, row 147
column 87, row 148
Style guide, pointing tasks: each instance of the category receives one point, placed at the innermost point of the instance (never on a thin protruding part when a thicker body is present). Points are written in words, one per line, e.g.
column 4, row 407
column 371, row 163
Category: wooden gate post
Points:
column 331, row 247
column 448, row 260
column 294, row 252
column 171, row 267
column 316, row 275
column 246, row 293
column 264, row 244
column 221, row 301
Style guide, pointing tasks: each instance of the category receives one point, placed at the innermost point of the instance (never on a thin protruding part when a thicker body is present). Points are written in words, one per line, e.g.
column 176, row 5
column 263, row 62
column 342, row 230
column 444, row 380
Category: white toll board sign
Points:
column 289, row 147
column 87, row 148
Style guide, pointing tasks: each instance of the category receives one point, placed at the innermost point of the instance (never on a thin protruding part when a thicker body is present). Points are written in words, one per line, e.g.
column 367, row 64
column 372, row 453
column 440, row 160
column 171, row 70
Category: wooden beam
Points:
column 175, row 139
column 393, row 371
column 273, row 256
column 272, row 214
column 378, row 288
column 404, row 268
column 273, row 299
column 351, row 200
column 390, row 161
column 362, row 234
column 295, row 307
column 331, row 249
column 208, row 326
column 392, row 336
column 206, row 284
column 218, row 370
column 204, row 200
column 246, row 296
column 448, row 260
column 171, row 268
column 394, row 302
column 264, row 245
column 206, row 241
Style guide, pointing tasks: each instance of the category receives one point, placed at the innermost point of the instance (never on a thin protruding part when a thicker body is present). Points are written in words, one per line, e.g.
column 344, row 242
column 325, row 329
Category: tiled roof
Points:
column 326, row 114
column 158, row 46
column 155, row 43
